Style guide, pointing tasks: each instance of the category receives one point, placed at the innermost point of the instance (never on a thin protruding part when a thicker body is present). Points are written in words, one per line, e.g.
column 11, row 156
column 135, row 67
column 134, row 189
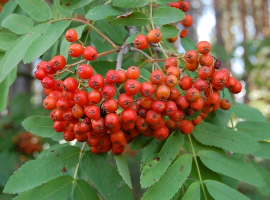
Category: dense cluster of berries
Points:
column 90, row 113
column 27, row 143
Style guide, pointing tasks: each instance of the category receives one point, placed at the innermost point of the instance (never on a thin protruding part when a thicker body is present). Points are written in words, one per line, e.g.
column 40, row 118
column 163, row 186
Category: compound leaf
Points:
column 104, row 177
column 236, row 141
column 59, row 189
column 156, row 165
column 221, row 191
column 171, row 181
column 232, row 167
column 39, row 10
column 43, row 169
column 45, row 41
column 84, row 191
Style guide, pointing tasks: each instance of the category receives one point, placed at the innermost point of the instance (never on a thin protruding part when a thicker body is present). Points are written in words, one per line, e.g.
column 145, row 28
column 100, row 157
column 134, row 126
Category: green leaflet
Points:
column 123, row 169
column 116, row 33
column 193, row 192
column 39, row 10
column 140, row 142
column 16, row 52
column 144, row 73
column 104, row 177
column 130, row 3
column 259, row 130
column 41, row 126
column 45, row 41
column 43, row 169
column 8, row 9
column 221, row 191
column 6, row 40
column 135, row 19
column 264, row 152
column 167, row 15
column 4, row 88
column 102, row 66
column 266, row 177
column 102, row 45
column 232, row 167
column 84, row 191
column 59, row 189
column 18, row 24
column 171, row 181
column 236, row 141
column 188, row 44
column 168, row 31
column 73, row 4
column 103, row 11
column 152, row 148
column 156, row 165
column 245, row 112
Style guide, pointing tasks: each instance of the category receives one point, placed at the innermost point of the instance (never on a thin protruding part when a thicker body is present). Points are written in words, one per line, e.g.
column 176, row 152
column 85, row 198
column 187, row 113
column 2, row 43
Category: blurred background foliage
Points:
column 239, row 32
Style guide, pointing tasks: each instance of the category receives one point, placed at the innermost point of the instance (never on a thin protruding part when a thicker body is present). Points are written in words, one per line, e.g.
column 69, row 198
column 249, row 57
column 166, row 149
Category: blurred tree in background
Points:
column 239, row 33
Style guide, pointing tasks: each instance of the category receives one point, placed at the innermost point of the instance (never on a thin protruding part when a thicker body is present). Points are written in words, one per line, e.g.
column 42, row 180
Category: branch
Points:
column 146, row 55
column 124, row 48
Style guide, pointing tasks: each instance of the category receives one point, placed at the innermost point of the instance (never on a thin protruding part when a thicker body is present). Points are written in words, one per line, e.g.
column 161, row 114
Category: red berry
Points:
column 70, row 84
column 89, row 53
column 154, row 36
column 133, row 72
column 132, row 87
column 112, row 77
column 71, row 35
column 58, row 62
column 48, row 82
column 187, row 21
column 203, row 47
column 186, row 127
column 85, row 71
column 75, row 50
column 141, row 42
column 185, row 83
column 96, row 81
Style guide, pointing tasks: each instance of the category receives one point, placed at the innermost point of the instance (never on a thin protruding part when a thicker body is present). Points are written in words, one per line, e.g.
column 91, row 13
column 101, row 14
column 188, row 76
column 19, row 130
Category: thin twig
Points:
column 145, row 54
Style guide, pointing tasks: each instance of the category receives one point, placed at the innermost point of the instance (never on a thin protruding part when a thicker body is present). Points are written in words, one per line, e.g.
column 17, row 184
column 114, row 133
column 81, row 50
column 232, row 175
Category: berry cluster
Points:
column 152, row 108
column 27, row 143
